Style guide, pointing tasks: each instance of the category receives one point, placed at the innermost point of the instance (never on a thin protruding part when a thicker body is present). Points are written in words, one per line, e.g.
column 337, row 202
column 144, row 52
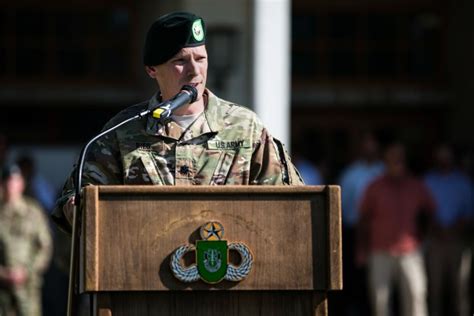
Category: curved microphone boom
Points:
column 188, row 94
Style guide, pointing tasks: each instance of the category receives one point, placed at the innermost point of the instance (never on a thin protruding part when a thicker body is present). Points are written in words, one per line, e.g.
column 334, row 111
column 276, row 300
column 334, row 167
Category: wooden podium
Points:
column 129, row 234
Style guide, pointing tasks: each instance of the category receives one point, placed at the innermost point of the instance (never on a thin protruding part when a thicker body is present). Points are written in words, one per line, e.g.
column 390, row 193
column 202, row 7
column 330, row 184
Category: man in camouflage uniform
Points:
column 208, row 142
column 25, row 248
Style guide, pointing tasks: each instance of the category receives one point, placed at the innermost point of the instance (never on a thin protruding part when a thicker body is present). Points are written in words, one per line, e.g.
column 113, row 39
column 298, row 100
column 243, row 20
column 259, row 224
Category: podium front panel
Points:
column 129, row 234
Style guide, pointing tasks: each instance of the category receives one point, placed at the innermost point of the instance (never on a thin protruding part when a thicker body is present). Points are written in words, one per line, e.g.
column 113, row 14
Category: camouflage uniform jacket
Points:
column 25, row 241
column 227, row 144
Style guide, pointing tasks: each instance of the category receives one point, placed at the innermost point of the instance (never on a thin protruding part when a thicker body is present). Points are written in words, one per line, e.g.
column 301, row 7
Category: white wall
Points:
column 271, row 60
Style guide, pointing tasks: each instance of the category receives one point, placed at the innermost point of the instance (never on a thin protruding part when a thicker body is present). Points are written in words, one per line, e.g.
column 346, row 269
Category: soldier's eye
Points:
column 179, row 61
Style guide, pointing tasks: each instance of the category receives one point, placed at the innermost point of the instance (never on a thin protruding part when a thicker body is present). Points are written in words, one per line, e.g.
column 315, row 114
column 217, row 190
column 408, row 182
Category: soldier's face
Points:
column 14, row 186
column 187, row 67
column 395, row 160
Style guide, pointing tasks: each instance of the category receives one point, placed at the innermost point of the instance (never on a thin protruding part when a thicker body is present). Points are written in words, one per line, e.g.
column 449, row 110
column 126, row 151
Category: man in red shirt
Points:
column 389, row 235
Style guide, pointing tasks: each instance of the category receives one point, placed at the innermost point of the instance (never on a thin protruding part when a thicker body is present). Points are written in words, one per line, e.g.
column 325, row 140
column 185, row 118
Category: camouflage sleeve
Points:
column 102, row 166
column 271, row 164
column 43, row 243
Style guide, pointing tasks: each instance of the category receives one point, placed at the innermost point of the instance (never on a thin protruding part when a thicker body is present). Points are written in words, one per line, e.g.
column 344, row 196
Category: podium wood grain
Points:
column 233, row 303
column 129, row 234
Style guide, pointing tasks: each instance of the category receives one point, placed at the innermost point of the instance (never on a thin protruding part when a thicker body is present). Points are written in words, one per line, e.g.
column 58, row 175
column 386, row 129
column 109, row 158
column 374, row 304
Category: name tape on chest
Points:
column 143, row 146
column 212, row 144
column 231, row 144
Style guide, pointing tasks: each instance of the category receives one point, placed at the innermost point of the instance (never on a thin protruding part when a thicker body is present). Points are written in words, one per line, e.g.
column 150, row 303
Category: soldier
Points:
column 25, row 248
column 208, row 142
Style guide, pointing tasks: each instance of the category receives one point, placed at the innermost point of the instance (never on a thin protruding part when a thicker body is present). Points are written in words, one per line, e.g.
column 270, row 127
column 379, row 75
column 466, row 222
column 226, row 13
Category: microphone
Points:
column 164, row 110
column 187, row 95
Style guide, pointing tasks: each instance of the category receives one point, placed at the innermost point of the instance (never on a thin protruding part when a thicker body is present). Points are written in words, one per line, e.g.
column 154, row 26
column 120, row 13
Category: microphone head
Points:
column 192, row 92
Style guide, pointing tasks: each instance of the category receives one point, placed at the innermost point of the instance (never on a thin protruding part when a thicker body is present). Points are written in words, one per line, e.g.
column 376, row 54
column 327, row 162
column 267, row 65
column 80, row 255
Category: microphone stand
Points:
column 165, row 112
column 72, row 299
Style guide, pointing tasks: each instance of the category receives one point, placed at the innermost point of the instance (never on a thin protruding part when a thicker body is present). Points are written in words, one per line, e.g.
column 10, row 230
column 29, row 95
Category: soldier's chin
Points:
column 200, row 94
column 198, row 98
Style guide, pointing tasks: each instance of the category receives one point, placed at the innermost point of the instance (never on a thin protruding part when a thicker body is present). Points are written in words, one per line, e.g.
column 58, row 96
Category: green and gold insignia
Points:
column 212, row 258
column 198, row 31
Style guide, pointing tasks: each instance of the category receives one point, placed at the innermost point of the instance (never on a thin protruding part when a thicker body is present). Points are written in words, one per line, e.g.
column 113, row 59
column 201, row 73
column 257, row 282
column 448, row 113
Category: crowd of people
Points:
column 406, row 239
column 31, row 282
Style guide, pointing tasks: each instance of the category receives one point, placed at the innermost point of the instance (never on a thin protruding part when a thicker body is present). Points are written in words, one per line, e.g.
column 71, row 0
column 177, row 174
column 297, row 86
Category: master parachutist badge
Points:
column 212, row 258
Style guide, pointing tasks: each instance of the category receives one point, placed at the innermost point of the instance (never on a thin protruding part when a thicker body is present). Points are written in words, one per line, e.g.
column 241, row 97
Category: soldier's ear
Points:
column 151, row 71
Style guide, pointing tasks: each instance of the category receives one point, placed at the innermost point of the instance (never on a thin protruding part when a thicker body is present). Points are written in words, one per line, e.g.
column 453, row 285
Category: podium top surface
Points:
column 227, row 189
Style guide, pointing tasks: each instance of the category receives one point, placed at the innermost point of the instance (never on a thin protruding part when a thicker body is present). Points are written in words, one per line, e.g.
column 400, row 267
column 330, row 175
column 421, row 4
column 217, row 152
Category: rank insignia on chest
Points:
column 212, row 258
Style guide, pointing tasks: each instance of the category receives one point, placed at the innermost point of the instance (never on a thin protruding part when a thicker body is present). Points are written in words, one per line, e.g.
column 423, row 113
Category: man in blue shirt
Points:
column 448, row 256
column 354, row 179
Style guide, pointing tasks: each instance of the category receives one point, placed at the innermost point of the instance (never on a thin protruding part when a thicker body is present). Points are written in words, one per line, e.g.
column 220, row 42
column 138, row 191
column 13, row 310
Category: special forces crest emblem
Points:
column 212, row 258
column 198, row 30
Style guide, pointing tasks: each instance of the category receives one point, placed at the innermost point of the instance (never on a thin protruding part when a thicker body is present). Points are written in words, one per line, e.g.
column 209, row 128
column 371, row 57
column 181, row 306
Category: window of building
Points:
column 66, row 43
column 371, row 42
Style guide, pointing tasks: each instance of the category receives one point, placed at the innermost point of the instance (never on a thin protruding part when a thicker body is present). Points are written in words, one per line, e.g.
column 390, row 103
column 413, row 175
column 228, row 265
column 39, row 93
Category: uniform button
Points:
column 184, row 170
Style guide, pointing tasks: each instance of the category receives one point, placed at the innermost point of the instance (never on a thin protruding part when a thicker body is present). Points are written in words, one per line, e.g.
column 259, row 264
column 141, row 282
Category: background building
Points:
column 320, row 73
column 398, row 67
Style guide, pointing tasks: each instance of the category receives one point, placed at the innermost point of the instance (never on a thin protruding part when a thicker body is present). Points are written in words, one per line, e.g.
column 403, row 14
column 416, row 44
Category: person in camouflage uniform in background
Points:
column 208, row 142
column 25, row 248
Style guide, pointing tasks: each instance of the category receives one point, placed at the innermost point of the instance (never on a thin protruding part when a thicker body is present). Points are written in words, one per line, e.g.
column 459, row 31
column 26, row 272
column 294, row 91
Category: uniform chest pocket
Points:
column 223, row 155
column 213, row 166
column 141, row 167
column 158, row 168
column 223, row 167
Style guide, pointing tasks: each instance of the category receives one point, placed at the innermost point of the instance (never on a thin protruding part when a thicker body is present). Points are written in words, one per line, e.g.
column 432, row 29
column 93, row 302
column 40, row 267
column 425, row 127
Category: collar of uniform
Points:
column 214, row 112
column 152, row 126
column 211, row 121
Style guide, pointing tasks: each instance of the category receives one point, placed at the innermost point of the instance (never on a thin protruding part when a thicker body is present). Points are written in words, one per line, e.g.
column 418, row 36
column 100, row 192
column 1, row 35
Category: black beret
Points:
column 169, row 34
column 8, row 170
